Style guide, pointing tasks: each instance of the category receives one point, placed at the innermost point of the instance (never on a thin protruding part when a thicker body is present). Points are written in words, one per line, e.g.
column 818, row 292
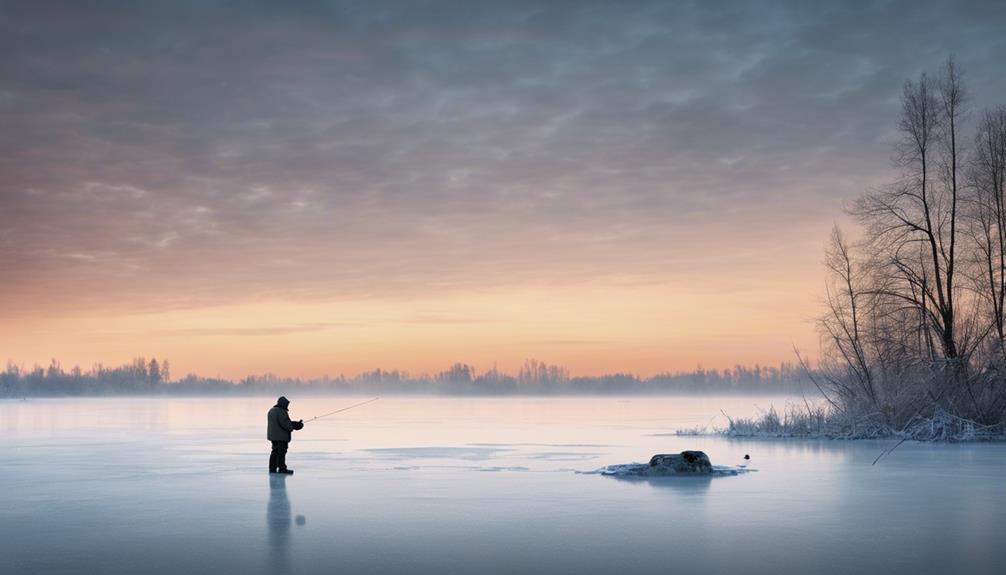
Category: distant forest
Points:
column 153, row 377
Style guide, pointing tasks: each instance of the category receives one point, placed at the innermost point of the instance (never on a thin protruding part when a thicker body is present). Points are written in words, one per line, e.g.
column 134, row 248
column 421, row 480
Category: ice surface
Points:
column 179, row 487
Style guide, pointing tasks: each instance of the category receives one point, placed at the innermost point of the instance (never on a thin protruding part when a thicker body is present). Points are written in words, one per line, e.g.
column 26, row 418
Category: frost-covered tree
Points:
column 913, row 309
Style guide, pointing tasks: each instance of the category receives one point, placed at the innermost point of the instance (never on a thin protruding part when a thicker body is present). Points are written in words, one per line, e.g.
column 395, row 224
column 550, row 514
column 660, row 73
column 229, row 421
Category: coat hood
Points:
column 283, row 402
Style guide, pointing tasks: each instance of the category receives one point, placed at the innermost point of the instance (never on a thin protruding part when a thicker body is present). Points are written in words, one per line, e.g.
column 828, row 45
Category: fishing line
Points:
column 343, row 409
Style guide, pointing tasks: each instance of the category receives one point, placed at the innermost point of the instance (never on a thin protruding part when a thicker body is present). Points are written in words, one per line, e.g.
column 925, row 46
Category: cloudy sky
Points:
column 327, row 187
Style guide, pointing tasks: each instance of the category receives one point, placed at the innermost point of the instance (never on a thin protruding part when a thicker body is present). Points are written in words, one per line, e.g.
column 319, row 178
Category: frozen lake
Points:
column 432, row 485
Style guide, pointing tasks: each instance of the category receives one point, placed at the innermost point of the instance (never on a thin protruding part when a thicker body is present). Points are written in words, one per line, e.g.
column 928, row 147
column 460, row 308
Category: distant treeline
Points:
column 153, row 377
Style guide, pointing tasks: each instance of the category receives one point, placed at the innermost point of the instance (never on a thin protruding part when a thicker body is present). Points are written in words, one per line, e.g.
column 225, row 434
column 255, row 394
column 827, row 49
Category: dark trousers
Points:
column 277, row 459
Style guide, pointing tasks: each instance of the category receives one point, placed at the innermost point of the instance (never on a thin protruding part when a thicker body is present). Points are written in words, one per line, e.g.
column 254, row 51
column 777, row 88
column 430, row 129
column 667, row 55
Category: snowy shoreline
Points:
column 819, row 424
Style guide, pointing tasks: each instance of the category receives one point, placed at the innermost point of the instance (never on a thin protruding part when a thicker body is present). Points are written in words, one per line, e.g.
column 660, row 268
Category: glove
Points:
column 297, row 425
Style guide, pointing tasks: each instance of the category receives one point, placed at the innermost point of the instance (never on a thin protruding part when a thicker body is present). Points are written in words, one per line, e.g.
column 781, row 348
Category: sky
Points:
column 311, row 188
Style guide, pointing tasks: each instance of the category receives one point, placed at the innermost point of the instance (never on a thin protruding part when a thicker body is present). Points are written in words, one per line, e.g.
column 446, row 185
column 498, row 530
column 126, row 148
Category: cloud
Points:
column 192, row 153
column 260, row 331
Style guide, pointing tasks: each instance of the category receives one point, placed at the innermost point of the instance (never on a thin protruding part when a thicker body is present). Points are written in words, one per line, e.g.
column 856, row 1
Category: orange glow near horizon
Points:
column 600, row 328
column 420, row 190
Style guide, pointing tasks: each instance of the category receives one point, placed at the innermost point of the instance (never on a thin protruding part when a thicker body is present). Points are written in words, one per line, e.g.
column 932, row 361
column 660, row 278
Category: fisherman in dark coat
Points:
column 280, row 430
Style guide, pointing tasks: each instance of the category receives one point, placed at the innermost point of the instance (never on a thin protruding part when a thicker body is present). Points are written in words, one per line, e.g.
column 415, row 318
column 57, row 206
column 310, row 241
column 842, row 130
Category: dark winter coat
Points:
column 280, row 425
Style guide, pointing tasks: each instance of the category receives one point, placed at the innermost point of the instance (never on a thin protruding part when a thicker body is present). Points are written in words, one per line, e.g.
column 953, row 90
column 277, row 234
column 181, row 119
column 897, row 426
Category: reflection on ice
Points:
column 696, row 484
column 278, row 522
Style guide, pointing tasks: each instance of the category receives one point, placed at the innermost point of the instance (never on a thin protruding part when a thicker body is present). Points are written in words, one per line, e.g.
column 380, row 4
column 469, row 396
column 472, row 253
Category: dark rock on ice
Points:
column 686, row 462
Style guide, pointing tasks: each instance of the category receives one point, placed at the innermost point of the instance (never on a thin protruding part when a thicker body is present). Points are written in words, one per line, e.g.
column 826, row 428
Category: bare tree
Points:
column 986, row 180
column 841, row 323
column 913, row 223
column 952, row 100
column 911, row 323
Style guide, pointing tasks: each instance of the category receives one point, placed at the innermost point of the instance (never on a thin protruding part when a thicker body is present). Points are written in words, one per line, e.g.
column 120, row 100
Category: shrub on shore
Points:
column 823, row 422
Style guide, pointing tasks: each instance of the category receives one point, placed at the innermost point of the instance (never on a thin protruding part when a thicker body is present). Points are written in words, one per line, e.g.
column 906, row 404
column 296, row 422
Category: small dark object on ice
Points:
column 283, row 472
column 663, row 465
column 746, row 456
column 686, row 462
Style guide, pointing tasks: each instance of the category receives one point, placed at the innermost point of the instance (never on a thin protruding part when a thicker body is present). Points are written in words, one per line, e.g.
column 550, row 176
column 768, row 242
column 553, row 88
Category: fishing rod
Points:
column 343, row 409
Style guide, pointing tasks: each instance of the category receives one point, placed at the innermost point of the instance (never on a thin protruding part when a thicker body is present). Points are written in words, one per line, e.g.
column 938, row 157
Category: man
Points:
column 280, row 429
